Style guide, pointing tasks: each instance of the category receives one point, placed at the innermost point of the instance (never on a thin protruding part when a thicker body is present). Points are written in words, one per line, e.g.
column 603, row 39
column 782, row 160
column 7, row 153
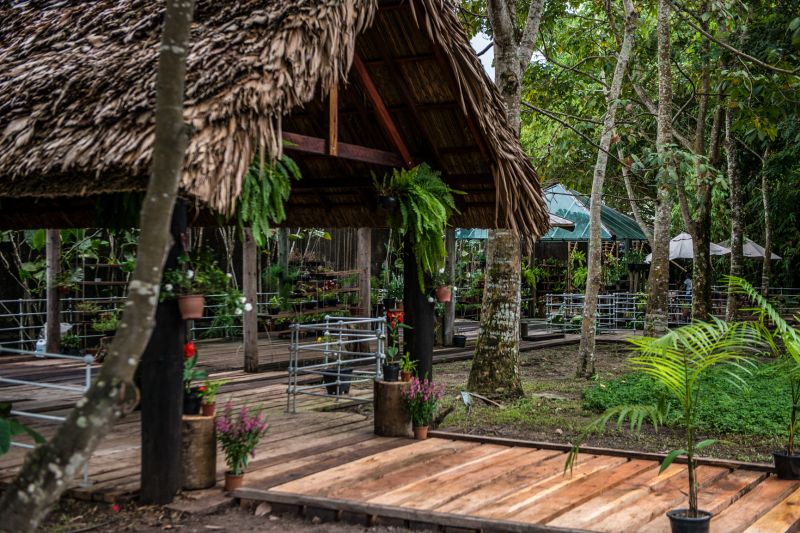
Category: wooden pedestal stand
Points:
column 199, row 452
column 391, row 418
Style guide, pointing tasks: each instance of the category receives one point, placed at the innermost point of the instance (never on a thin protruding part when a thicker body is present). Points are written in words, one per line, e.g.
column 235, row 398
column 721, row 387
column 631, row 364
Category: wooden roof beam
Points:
column 318, row 146
column 384, row 118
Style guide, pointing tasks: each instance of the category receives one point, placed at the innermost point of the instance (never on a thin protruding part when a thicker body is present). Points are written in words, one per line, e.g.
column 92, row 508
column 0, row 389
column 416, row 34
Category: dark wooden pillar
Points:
column 250, row 287
column 162, row 390
column 419, row 315
column 449, row 318
column 363, row 262
column 53, row 259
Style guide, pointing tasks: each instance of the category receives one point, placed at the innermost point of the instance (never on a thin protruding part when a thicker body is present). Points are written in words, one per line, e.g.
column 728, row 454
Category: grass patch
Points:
column 761, row 408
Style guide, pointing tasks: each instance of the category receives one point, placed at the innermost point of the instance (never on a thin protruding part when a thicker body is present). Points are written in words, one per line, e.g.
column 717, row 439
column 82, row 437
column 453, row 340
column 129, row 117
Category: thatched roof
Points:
column 77, row 93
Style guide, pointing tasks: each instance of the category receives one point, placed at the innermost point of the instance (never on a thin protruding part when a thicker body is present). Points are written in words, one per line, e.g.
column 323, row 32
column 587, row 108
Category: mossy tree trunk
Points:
column 495, row 366
column 49, row 469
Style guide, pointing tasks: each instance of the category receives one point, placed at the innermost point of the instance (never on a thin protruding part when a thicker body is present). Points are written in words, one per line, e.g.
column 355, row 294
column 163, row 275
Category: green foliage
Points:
column 425, row 204
column 264, row 193
column 10, row 427
column 198, row 273
column 106, row 322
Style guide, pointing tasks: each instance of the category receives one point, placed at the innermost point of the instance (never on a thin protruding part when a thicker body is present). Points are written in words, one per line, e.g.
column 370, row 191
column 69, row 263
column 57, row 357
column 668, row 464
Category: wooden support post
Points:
column 363, row 262
column 418, row 314
column 449, row 318
column 53, row 258
column 250, row 288
column 333, row 121
column 162, row 389
column 283, row 255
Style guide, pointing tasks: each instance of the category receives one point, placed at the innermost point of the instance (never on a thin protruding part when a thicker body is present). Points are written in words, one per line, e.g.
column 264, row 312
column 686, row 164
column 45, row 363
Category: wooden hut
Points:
column 353, row 86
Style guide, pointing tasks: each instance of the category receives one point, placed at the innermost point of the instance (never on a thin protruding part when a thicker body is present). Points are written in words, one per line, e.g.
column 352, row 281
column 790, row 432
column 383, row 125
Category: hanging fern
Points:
column 425, row 204
column 264, row 194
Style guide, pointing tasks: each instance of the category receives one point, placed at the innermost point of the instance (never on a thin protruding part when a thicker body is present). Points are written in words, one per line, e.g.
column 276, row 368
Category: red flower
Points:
column 115, row 508
column 201, row 388
column 400, row 317
column 189, row 350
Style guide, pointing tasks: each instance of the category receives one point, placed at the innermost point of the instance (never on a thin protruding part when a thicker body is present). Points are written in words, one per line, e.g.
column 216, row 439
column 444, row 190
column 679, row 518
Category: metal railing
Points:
column 87, row 360
column 341, row 356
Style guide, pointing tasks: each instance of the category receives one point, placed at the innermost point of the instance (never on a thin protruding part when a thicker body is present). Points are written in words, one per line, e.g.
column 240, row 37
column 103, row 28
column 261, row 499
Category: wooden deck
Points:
column 468, row 485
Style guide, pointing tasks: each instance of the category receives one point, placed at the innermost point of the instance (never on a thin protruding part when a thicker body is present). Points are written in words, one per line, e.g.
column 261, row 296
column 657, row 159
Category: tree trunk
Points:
column 511, row 58
column 595, row 256
column 736, row 211
column 495, row 366
column 53, row 254
column 657, row 316
column 766, row 266
column 250, row 292
column 48, row 469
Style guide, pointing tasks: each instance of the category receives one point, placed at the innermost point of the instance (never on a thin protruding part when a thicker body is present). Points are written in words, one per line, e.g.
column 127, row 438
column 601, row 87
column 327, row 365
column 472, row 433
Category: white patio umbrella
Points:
column 751, row 249
column 680, row 247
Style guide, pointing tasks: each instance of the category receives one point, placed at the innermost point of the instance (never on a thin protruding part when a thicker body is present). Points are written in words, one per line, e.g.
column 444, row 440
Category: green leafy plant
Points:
column 71, row 341
column 678, row 362
column 10, row 427
column 106, row 322
column 788, row 350
column 210, row 389
column 198, row 273
column 190, row 371
column 265, row 190
column 393, row 327
column 425, row 204
column 394, row 289
column 407, row 364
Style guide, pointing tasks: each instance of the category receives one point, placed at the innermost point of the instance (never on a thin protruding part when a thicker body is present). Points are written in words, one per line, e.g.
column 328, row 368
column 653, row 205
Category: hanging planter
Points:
column 191, row 306
column 444, row 294
column 389, row 203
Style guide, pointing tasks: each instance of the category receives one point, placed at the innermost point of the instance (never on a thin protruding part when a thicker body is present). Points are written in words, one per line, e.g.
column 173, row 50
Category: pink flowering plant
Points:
column 239, row 433
column 420, row 399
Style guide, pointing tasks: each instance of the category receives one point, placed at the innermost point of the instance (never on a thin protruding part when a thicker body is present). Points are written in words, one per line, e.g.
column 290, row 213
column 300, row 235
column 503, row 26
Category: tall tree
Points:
column 495, row 366
column 595, row 256
column 766, row 265
column 49, row 468
column 735, row 187
column 657, row 315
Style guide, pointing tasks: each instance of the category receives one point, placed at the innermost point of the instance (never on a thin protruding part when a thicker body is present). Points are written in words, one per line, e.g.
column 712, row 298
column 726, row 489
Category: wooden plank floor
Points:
column 474, row 485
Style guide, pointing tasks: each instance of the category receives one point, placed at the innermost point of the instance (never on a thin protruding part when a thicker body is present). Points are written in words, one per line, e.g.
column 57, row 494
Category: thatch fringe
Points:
column 78, row 84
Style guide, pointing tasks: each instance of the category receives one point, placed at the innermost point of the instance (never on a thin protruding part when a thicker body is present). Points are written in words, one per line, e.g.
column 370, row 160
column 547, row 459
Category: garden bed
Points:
column 557, row 407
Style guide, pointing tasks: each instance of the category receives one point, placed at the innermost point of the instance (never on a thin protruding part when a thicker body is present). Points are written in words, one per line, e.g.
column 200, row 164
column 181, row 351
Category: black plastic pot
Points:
column 344, row 375
column 387, row 202
column 391, row 372
column 638, row 267
column 786, row 466
column 389, row 303
column 330, row 302
column 70, row 351
column 459, row 341
column 273, row 309
column 681, row 523
column 191, row 401
column 309, row 304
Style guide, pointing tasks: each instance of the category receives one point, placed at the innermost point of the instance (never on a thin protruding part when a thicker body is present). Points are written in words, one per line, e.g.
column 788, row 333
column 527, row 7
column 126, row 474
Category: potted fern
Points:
column 677, row 362
column 425, row 203
column 787, row 365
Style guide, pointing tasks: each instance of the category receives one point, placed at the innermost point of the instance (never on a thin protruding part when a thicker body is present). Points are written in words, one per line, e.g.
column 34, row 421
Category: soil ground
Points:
column 552, row 411
column 73, row 516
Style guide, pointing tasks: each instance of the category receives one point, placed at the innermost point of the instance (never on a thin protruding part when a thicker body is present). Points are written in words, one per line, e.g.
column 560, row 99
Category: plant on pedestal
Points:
column 208, row 395
column 191, row 394
column 420, row 399
column 239, row 432
column 407, row 367
column 678, row 362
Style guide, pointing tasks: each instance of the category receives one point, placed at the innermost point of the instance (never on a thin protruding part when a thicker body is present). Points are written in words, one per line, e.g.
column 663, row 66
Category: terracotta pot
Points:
column 420, row 432
column 233, row 482
column 405, row 376
column 191, row 306
column 209, row 409
column 443, row 293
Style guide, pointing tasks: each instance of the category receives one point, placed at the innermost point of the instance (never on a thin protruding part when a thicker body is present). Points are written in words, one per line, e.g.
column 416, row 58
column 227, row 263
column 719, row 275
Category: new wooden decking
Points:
column 465, row 484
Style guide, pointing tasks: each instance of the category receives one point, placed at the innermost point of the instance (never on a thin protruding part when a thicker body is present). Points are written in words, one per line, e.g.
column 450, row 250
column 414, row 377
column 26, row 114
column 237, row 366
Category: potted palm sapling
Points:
column 208, row 395
column 407, row 367
column 784, row 340
column 677, row 362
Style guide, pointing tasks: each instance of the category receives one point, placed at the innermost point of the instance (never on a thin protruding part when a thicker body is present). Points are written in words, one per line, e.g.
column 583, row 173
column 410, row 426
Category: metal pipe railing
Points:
column 87, row 360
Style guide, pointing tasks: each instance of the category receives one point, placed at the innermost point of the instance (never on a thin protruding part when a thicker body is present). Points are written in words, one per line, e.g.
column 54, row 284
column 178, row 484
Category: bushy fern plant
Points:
column 425, row 204
column 264, row 194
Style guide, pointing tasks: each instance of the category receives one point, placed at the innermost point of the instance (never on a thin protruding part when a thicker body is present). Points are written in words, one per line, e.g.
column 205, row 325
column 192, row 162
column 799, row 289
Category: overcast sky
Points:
column 479, row 42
